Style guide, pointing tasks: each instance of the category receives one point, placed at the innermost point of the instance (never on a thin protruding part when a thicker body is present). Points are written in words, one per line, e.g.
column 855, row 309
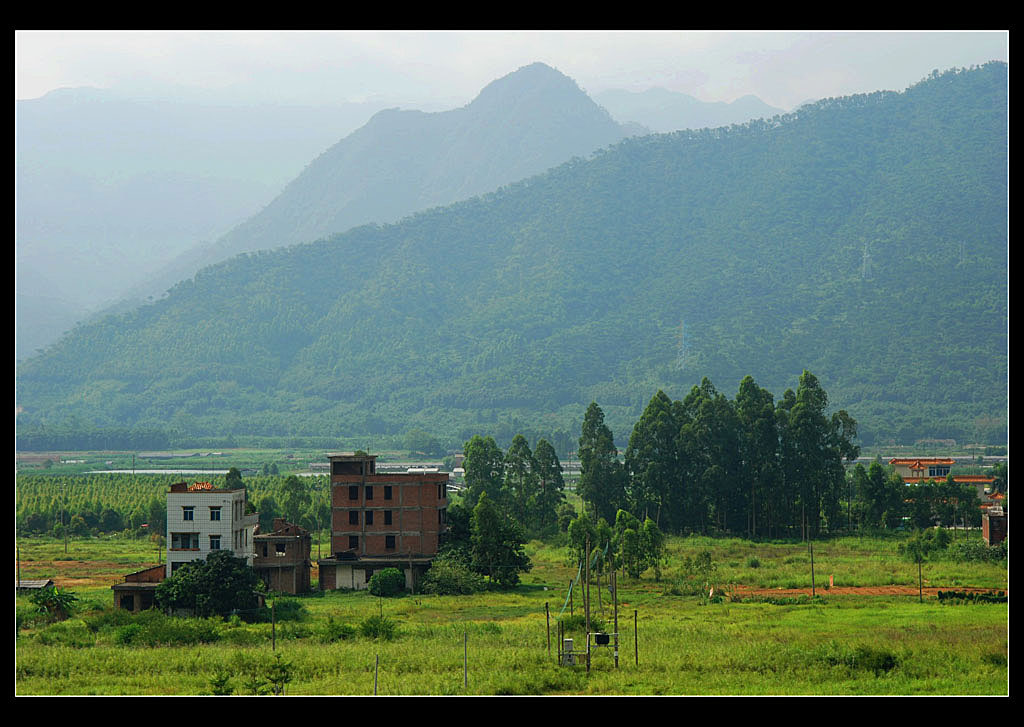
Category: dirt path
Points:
column 860, row 591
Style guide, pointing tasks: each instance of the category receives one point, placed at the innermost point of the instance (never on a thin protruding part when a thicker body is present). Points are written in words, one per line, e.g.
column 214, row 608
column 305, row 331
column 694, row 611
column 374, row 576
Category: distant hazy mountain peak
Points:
column 536, row 80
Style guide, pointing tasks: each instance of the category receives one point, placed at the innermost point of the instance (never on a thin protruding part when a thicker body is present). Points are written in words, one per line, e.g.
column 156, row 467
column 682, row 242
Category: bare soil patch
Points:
column 860, row 591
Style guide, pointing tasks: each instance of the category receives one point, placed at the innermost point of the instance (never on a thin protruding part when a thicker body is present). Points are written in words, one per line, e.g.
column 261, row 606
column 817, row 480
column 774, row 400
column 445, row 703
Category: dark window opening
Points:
column 353, row 517
column 353, row 492
column 387, row 517
column 353, row 542
column 389, row 542
column 369, row 492
column 369, row 517
column 387, row 492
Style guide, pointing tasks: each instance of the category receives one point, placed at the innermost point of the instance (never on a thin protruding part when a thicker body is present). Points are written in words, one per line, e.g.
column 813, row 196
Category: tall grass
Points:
column 833, row 645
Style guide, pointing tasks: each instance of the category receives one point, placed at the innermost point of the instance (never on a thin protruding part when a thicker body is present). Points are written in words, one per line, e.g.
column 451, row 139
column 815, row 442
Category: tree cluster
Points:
column 526, row 484
column 745, row 465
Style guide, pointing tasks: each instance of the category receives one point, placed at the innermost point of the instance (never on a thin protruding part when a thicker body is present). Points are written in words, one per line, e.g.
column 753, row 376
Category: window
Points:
column 264, row 550
column 214, row 542
column 353, row 542
column 387, row 517
column 369, row 492
column 281, row 549
column 215, row 513
column 387, row 492
column 938, row 471
column 369, row 517
column 389, row 542
column 353, row 492
column 184, row 541
column 187, row 512
column 353, row 517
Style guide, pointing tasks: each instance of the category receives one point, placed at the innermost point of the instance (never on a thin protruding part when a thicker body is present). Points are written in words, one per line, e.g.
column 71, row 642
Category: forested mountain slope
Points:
column 863, row 238
column 405, row 161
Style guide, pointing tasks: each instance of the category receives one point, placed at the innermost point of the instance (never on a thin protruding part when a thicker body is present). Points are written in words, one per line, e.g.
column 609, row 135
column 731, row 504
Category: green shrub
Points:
column 753, row 562
column 220, row 685
column 70, row 632
column 152, row 628
column 868, row 658
column 450, row 576
column 336, row 631
column 387, row 582
column 107, row 618
column 994, row 658
column 974, row 551
column 379, row 627
column 243, row 637
column 578, row 623
column 128, row 634
column 286, row 609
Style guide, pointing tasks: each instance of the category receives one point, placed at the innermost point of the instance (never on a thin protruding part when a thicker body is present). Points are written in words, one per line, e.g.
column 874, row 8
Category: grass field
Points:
column 841, row 642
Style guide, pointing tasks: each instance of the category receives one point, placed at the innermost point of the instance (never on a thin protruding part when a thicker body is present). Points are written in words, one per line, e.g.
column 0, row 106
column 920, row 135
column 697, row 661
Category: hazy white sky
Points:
column 784, row 69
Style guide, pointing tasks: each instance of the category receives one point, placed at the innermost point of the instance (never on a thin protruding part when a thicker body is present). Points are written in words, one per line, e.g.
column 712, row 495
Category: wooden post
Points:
column 615, row 600
column 810, row 544
column 636, row 647
column 586, row 599
column 547, row 619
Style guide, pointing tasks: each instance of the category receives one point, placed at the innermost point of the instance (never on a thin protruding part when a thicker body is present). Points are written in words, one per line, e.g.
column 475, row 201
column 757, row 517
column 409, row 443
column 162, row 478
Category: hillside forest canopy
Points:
column 864, row 238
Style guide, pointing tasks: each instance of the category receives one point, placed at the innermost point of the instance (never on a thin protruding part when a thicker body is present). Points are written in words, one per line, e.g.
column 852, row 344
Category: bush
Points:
column 379, row 627
column 71, row 632
column 994, row 658
column 387, row 582
column 868, row 658
column 753, row 562
column 450, row 576
column 152, row 628
column 336, row 631
column 578, row 623
column 285, row 609
column 977, row 552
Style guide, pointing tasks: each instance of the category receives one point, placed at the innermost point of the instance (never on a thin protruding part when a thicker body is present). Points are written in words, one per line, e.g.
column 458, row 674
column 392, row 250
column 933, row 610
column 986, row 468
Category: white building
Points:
column 201, row 519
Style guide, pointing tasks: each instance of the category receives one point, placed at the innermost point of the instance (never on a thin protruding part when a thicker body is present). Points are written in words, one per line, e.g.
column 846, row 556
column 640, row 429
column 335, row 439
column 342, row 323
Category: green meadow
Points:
column 672, row 640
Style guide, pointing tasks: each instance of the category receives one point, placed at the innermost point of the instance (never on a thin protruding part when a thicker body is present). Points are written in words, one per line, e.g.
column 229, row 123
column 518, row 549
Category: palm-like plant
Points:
column 54, row 603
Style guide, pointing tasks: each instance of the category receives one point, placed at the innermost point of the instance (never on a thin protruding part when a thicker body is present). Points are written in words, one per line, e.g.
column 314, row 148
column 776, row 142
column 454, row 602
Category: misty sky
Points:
column 448, row 69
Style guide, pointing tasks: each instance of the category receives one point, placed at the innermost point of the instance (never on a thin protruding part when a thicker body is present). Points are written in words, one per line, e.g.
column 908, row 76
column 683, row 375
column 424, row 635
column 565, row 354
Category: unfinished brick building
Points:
column 381, row 521
column 137, row 591
column 282, row 557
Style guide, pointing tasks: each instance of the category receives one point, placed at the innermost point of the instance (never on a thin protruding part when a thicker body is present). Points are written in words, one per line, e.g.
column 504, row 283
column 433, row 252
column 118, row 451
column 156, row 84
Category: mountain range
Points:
column 101, row 179
column 863, row 238
column 660, row 110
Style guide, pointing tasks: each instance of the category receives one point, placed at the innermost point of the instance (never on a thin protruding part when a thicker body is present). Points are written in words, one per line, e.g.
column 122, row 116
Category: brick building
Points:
column 381, row 521
column 282, row 557
column 137, row 591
